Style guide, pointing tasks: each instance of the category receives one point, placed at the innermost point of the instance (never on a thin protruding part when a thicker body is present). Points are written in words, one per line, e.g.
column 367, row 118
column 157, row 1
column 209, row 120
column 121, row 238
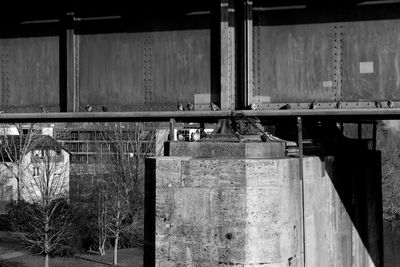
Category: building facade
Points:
column 31, row 167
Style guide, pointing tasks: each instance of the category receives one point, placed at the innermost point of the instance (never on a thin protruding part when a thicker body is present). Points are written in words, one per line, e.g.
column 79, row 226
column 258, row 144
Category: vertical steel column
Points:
column 301, row 176
column 5, row 79
column 338, row 33
column 148, row 80
column 227, row 54
column 69, row 64
column 248, row 52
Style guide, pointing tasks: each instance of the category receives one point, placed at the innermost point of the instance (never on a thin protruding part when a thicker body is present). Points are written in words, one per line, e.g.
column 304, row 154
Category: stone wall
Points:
column 220, row 212
column 248, row 212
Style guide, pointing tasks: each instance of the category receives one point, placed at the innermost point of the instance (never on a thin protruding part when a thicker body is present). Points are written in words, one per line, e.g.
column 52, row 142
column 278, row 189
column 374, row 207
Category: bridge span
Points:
column 303, row 67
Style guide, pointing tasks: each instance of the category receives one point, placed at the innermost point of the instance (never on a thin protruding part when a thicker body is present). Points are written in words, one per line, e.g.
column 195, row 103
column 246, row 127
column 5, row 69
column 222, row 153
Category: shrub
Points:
column 25, row 218
column 5, row 223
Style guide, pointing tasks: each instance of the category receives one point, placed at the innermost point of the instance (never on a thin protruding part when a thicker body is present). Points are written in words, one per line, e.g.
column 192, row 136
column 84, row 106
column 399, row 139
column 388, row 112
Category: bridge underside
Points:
column 149, row 57
column 300, row 62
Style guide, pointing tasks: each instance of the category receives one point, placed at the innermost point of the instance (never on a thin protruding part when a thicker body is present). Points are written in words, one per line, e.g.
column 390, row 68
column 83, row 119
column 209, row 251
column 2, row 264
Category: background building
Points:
column 32, row 160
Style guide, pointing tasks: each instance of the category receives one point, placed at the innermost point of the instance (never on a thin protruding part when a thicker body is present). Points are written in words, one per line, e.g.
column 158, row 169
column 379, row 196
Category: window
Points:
column 36, row 171
column 74, row 135
column 39, row 154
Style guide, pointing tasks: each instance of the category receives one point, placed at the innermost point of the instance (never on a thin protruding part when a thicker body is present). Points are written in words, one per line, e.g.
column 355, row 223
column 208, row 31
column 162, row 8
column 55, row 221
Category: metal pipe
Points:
column 172, row 124
column 349, row 113
column 187, row 116
column 301, row 176
column 374, row 129
column 114, row 116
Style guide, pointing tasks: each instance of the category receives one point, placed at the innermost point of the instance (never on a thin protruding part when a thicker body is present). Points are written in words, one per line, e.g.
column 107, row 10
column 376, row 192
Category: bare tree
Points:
column 45, row 188
column 388, row 141
column 16, row 140
column 124, row 149
column 101, row 220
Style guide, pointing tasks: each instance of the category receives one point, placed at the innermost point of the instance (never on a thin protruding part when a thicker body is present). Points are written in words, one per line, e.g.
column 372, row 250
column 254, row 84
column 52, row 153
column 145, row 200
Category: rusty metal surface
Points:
column 111, row 68
column 30, row 71
column 326, row 54
column 294, row 62
column 130, row 63
column 376, row 43
column 144, row 68
column 5, row 85
column 145, row 59
column 181, row 65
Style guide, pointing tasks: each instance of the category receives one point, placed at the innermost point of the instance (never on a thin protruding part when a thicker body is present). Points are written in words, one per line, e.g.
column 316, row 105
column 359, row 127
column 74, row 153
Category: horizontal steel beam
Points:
column 113, row 116
column 367, row 113
column 339, row 114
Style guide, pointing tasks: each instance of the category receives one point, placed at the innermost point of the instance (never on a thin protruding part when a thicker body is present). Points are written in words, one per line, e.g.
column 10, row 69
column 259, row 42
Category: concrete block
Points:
column 191, row 206
column 263, row 206
column 162, row 247
column 230, row 211
column 189, row 252
column 248, row 212
column 232, row 236
column 214, row 173
column 227, row 149
column 228, row 206
column 169, row 171
column 340, row 220
column 229, row 255
column 200, row 233
column 164, row 204
column 270, row 172
column 165, row 263
column 266, row 245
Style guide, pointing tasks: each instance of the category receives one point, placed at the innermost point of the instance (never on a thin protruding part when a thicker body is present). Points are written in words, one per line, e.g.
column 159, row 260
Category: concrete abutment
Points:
column 224, row 211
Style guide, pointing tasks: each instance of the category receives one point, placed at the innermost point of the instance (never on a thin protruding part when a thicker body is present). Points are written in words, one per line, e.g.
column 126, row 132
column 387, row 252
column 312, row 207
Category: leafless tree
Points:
column 101, row 219
column 121, row 189
column 45, row 189
column 388, row 142
column 16, row 140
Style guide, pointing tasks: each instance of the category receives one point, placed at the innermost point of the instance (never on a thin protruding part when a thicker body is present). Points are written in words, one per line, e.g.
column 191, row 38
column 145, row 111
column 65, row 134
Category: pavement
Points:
column 7, row 246
column 8, row 253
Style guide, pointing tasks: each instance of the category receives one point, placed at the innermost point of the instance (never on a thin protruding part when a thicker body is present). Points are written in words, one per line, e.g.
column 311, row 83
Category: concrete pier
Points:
column 343, row 210
column 248, row 212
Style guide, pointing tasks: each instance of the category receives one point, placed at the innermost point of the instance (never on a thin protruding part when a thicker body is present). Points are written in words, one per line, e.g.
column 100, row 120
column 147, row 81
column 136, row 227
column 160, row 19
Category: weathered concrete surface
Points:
column 343, row 212
column 248, row 212
column 392, row 244
column 223, row 212
column 328, row 226
column 227, row 149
